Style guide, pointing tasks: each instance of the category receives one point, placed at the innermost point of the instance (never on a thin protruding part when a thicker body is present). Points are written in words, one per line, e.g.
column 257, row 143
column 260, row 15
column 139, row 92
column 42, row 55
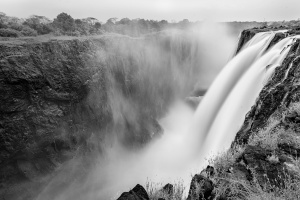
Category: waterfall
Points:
column 189, row 137
column 223, row 109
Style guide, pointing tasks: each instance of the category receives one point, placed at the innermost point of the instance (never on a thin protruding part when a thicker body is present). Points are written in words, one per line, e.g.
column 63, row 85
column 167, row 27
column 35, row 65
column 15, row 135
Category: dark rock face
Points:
column 137, row 193
column 247, row 35
column 278, row 93
column 168, row 189
column 268, row 173
column 268, row 166
column 276, row 39
column 57, row 100
column 201, row 188
column 40, row 88
column 63, row 97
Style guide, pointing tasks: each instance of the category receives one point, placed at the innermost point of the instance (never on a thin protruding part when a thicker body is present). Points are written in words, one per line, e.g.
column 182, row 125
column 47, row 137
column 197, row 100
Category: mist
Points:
column 149, row 134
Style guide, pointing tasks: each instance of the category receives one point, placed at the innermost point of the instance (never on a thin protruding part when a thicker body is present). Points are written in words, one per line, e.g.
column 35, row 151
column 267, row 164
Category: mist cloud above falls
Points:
column 148, row 79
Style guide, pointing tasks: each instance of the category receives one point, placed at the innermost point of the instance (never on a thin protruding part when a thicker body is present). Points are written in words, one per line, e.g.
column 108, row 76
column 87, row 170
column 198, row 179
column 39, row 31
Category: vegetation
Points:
column 8, row 32
column 157, row 191
column 272, row 138
column 65, row 24
column 229, row 180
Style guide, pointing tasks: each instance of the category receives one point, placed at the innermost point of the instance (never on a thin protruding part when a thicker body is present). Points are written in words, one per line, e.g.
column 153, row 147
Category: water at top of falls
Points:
column 258, row 38
column 222, row 111
column 221, row 87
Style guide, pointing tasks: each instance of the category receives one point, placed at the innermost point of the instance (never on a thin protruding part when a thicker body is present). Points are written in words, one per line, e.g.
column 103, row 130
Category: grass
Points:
column 155, row 191
column 276, row 131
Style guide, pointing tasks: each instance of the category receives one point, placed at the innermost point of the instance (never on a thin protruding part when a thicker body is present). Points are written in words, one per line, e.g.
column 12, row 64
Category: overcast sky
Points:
column 194, row 10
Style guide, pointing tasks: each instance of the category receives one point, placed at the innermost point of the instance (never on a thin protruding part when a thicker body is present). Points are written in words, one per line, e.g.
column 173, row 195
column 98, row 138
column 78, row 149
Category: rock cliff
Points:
column 67, row 96
column 264, row 154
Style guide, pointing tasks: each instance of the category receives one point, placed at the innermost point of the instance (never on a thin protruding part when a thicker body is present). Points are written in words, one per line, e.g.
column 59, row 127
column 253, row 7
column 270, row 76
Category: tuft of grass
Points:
column 225, row 160
column 267, row 137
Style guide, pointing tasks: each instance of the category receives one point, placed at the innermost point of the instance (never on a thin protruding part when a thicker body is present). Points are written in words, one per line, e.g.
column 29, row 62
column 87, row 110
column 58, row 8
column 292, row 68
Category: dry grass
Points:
column 155, row 191
column 267, row 137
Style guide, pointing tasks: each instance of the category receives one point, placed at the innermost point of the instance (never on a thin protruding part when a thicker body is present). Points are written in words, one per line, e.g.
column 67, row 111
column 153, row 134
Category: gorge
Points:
column 82, row 118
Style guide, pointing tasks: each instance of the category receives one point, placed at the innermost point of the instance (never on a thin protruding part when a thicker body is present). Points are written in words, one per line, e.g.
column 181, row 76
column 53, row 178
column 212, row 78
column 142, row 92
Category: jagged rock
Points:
column 55, row 97
column 137, row 193
column 277, row 94
column 267, row 172
column 246, row 35
column 268, row 167
column 278, row 36
column 168, row 189
column 201, row 188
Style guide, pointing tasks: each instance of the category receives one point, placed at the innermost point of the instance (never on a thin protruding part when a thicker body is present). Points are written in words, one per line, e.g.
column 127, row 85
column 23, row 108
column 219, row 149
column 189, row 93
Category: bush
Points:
column 36, row 24
column 16, row 26
column 64, row 22
column 27, row 31
column 7, row 32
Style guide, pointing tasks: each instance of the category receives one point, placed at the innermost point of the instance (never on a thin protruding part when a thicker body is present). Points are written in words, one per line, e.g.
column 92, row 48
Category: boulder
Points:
column 137, row 193
column 201, row 188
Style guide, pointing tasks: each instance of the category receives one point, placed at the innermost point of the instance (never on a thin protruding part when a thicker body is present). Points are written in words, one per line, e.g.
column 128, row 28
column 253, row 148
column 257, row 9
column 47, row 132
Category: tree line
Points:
column 65, row 24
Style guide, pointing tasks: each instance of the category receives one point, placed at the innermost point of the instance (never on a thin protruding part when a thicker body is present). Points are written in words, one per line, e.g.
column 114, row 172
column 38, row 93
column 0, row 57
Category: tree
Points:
column 124, row 21
column 39, row 23
column 97, row 25
column 111, row 21
column 64, row 22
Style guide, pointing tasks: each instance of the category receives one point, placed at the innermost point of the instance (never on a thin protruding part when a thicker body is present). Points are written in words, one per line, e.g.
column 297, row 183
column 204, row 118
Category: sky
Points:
column 171, row 10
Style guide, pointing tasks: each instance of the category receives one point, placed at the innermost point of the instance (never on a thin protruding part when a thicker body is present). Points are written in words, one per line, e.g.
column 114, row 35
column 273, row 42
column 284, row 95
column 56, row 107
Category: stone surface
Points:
column 58, row 100
column 137, row 193
column 200, row 188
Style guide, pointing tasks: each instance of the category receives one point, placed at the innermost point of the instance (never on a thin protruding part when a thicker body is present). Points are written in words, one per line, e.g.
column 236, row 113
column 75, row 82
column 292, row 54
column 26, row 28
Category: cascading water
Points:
column 189, row 137
column 235, row 90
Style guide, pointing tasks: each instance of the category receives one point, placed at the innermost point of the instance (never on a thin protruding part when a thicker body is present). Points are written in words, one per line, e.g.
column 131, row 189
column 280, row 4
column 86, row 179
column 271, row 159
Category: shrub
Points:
column 36, row 24
column 268, row 137
column 27, row 31
column 64, row 22
column 16, row 26
column 7, row 32
column 225, row 160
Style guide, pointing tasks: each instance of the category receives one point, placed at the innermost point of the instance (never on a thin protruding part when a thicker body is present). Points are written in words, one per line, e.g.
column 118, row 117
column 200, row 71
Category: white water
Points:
column 235, row 91
column 189, row 137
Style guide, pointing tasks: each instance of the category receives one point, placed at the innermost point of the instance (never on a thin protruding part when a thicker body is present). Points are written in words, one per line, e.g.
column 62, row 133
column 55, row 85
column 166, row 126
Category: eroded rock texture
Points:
column 268, row 137
column 65, row 97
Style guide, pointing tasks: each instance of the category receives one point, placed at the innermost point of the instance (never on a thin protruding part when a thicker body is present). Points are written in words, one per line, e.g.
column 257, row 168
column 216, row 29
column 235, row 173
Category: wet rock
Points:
column 276, row 95
column 137, row 193
column 54, row 98
column 193, row 102
column 278, row 36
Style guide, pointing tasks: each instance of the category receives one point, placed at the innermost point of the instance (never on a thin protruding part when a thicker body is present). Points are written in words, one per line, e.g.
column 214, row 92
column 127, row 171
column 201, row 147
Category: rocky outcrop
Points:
column 60, row 97
column 42, row 86
column 278, row 94
column 137, row 193
column 246, row 36
column 201, row 188
column 268, row 138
